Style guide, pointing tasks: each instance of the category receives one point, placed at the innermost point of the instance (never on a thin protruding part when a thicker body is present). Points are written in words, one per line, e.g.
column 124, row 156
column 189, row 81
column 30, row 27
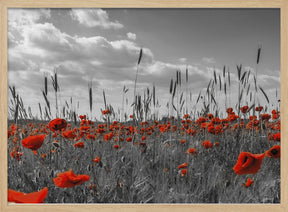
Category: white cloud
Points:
column 131, row 36
column 94, row 18
column 208, row 60
column 182, row 60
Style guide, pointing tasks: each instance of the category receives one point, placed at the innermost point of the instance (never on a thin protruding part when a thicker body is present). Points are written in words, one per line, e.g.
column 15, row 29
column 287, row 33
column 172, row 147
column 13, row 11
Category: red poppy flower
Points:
column 116, row 146
column 16, row 154
column 92, row 137
column 218, row 129
column 12, row 154
column 248, row 183
column 276, row 137
column 207, row 144
column 265, row 116
column 200, row 120
column 57, row 124
column 82, row 117
column 33, row 142
column 191, row 132
column 68, row 134
column 69, row 179
column 232, row 117
column 186, row 116
column 211, row 129
column 129, row 139
column 191, row 151
column 275, row 116
column 108, row 137
column 244, row 109
column 162, row 129
column 84, row 128
column 274, row 152
column 229, row 110
column 260, row 108
column 183, row 165
column 183, row 172
column 96, row 160
column 104, row 112
column 210, row 116
column 79, row 145
column 248, row 163
column 34, row 197
column 34, row 152
column 204, row 125
column 182, row 141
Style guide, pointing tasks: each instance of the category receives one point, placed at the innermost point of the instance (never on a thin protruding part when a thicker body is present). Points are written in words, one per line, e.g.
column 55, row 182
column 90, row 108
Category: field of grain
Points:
column 194, row 154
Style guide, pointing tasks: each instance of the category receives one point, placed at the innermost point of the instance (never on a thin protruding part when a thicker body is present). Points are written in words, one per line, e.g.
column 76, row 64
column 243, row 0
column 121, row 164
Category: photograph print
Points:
column 143, row 106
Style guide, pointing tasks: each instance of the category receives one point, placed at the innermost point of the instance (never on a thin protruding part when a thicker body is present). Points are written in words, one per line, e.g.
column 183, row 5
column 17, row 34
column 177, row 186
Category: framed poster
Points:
column 143, row 106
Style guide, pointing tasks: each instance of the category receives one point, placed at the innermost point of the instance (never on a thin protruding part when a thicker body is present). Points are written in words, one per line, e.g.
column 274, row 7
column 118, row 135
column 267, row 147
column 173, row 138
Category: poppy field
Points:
column 197, row 153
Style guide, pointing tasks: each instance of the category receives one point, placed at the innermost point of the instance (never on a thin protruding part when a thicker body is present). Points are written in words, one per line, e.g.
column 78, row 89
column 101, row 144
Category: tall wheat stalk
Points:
column 90, row 98
column 56, row 89
column 135, row 83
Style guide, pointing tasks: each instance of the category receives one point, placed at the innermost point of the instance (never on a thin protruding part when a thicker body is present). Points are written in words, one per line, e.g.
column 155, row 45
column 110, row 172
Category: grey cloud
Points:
column 21, row 17
column 56, row 47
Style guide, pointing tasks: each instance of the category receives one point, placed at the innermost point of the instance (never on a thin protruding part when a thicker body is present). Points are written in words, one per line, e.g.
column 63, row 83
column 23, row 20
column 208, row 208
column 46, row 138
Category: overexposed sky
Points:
column 103, row 46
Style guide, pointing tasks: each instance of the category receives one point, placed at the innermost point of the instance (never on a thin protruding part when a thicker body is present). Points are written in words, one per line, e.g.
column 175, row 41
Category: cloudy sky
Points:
column 103, row 46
